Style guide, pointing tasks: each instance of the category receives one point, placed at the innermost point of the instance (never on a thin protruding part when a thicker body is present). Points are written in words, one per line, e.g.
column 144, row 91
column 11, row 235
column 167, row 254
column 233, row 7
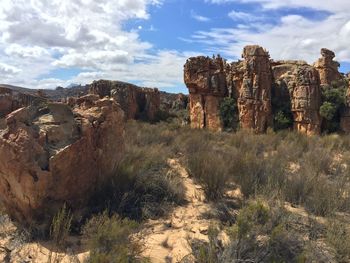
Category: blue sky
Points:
column 44, row 43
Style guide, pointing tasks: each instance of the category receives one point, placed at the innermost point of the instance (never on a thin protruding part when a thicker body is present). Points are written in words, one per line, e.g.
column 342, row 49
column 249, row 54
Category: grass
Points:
column 310, row 172
column 109, row 239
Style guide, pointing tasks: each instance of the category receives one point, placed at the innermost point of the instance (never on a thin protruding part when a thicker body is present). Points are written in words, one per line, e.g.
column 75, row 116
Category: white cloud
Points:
column 7, row 70
column 293, row 37
column 39, row 36
column 238, row 15
column 199, row 18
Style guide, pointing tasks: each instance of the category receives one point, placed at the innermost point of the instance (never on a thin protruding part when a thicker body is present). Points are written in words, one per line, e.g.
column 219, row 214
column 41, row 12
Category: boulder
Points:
column 51, row 155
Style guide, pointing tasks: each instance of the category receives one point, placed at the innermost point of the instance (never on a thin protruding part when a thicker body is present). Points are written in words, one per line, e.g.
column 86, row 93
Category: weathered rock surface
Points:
column 254, row 102
column 327, row 67
column 51, row 154
column 306, row 100
column 137, row 103
column 298, row 84
column 11, row 100
column 254, row 83
column 206, row 81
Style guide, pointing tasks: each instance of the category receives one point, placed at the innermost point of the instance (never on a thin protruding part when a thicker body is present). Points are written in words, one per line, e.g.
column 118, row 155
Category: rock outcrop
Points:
column 51, row 154
column 327, row 67
column 254, row 101
column 255, row 83
column 137, row 103
column 206, row 82
column 11, row 100
column 297, row 84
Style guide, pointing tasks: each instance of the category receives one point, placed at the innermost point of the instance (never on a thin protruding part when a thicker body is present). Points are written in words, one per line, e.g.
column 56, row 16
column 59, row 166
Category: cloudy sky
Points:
column 46, row 43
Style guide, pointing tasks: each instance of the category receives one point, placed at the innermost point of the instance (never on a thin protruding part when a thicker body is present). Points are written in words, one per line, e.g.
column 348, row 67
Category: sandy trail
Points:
column 167, row 239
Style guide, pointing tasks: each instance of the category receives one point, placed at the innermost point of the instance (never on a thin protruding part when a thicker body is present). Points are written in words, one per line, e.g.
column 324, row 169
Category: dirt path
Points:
column 167, row 240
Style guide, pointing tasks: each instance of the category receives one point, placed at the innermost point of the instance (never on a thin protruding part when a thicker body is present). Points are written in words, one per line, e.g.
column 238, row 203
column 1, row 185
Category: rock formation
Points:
column 137, row 103
column 51, row 154
column 206, row 81
column 327, row 67
column 11, row 100
column 254, row 83
column 254, row 101
column 298, row 84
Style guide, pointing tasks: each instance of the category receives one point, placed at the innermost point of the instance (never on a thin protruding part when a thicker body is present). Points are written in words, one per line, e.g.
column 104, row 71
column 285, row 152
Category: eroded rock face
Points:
column 254, row 102
column 137, row 103
column 12, row 100
column 51, row 154
column 327, row 67
column 306, row 100
column 297, row 83
column 206, row 80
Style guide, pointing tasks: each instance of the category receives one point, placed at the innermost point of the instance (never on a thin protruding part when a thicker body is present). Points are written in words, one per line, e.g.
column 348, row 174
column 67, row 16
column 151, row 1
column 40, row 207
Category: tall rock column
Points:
column 254, row 102
column 327, row 67
column 306, row 100
column 206, row 80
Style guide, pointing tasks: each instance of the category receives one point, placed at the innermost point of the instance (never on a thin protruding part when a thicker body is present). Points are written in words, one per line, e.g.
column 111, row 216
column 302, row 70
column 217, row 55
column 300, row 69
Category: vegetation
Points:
column 229, row 113
column 333, row 102
column 109, row 240
column 275, row 173
column 282, row 109
column 60, row 226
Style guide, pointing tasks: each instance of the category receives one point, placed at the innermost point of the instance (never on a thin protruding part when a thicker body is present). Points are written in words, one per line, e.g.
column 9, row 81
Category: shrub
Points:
column 211, row 170
column 333, row 102
column 208, row 252
column 143, row 186
column 109, row 239
column 282, row 121
column 261, row 235
column 229, row 113
column 60, row 226
column 338, row 237
column 328, row 110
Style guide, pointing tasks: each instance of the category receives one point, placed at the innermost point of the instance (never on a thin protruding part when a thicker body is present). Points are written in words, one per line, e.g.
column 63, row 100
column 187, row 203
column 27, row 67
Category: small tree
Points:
column 333, row 102
column 229, row 113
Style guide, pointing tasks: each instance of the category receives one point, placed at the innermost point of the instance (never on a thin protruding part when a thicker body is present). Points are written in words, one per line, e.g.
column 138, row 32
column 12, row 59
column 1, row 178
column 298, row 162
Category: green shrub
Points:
column 261, row 234
column 282, row 121
column 109, row 240
column 60, row 226
column 333, row 102
column 211, row 170
column 229, row 113
column 328, row 110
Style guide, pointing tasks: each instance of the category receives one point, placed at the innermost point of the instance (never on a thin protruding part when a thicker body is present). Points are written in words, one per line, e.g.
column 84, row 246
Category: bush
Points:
column 282, row 121
column 211, row 170
column 60, row 226
column 333, row 102
column 261, row 235
column 143, row 186
column 229, row 113
column 338, row 236
column 109, row 240
column 328, row 110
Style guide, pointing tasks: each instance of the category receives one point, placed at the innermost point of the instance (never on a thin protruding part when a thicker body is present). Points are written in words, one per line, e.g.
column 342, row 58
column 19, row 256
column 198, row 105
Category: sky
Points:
column 50, row 43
